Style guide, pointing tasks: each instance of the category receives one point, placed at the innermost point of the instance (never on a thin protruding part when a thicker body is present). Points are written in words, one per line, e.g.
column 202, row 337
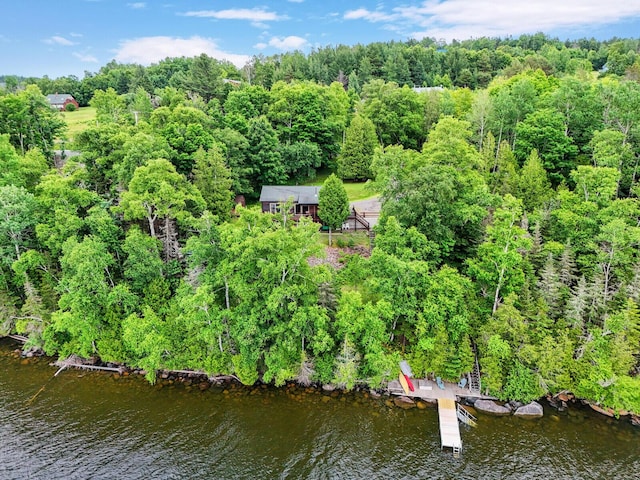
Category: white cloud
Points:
column 56, row 40
column 364, row 14
column 461, row 19
column 264, row 26
column 295, row 1
column 147, row 50
column 76, row 35
column 288, row 43
column 137, row 5
column 260, row 46
column 252, row 15
column 85, row 57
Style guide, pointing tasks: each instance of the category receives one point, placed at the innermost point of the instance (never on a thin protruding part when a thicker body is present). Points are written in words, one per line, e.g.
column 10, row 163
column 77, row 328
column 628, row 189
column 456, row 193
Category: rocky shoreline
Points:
column 562, row 403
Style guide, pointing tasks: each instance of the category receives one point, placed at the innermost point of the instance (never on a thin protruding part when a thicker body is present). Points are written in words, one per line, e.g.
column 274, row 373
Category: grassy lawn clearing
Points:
column 355, row 190
column 79, row 120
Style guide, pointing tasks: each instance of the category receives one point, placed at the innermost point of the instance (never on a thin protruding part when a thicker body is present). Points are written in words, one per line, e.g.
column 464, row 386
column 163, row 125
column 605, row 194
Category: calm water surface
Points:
column 87, row 425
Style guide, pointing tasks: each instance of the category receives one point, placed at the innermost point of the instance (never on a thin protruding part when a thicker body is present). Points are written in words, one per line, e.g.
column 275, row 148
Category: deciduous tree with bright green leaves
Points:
column 18, row 216
column 110, row 107
column 498, row 266
column 29, row 120
column 544, row 131
column 64, row 201
column 397, row 113
column 213, row 179
column 157, row 193
column 84, row 289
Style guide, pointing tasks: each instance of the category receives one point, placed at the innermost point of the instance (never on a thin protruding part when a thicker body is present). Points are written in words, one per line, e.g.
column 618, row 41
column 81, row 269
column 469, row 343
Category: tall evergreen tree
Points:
column 533, row 187
column 263, row 154
column 354, row 161
column 333, row 203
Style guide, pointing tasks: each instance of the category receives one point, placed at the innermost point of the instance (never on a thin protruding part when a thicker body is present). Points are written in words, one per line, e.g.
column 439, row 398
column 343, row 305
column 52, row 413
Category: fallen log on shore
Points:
column 65, row 364
column 211, row 378
column 19, row 338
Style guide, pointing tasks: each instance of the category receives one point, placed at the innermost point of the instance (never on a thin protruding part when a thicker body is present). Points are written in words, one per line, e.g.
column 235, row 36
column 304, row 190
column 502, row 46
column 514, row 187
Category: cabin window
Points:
column 302, row 209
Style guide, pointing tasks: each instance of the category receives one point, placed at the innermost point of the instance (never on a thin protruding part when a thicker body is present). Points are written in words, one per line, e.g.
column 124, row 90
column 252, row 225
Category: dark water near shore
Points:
column 87, row 425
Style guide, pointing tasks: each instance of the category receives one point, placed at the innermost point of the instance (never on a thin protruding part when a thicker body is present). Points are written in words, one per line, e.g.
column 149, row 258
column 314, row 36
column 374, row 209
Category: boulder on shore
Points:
column 531, row 410
column 404, row 402
column 565, row 396
column 609, row 412
column 492, row 408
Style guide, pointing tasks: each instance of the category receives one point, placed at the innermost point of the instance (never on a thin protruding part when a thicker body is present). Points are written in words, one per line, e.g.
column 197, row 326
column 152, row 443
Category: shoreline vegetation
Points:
column 561, row 403
column 508, row 173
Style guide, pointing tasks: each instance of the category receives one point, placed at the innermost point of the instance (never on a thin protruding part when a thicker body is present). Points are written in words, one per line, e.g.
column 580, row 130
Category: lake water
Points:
column 93, row 425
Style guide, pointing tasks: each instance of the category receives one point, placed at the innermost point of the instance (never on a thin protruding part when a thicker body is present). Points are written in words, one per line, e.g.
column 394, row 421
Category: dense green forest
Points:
column 509, row 228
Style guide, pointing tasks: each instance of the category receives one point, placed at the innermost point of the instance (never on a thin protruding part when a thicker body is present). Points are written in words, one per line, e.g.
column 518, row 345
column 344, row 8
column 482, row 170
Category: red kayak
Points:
column 409, row 383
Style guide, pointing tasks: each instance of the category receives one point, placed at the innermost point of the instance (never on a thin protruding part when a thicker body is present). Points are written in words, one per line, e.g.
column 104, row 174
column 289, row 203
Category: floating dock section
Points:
column 449, row 429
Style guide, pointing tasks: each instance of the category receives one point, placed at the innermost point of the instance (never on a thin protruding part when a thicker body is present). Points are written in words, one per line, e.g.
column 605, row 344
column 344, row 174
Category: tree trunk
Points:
column 167, row 238
column 496, row 297
column 228, row 306
column 606, row 269
column 152, row 229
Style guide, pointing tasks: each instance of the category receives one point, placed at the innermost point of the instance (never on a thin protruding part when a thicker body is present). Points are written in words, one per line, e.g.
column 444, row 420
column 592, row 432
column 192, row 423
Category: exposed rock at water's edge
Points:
column 514, row 405
column 470, row 401
column 531, row 410
column 492, row 408
column 609, row 412
column 404, row 402
column 565, row 396
column 426, row 403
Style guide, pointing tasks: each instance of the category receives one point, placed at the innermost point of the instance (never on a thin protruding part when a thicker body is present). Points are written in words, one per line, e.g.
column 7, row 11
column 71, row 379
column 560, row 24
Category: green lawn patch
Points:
column 79, row 121
column 355, row 190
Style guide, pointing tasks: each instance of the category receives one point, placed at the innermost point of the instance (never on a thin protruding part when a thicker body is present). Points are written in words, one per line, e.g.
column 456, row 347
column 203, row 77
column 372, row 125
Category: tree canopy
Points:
column 507, row 170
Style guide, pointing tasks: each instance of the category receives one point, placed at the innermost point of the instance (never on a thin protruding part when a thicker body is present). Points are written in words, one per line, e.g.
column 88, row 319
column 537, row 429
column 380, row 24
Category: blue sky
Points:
column 56, row 38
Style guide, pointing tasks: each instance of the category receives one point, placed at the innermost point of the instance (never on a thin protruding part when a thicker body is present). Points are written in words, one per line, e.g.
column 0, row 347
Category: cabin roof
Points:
column 282, row 193
column 58, row 98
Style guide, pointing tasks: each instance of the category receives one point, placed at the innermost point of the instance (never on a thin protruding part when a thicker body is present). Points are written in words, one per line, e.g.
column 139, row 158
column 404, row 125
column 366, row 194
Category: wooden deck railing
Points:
column 359, row 219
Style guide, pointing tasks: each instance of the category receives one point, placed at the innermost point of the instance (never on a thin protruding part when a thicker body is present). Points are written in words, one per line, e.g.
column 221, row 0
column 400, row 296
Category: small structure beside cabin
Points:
column 59, row 101
column 304, row 200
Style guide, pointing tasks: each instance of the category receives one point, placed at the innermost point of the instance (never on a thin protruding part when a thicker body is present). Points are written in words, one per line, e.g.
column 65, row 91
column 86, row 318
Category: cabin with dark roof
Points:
column 304, row 200
column 59, row 101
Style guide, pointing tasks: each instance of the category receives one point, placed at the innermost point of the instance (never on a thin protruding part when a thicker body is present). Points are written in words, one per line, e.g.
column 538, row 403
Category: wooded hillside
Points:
column 510, row 216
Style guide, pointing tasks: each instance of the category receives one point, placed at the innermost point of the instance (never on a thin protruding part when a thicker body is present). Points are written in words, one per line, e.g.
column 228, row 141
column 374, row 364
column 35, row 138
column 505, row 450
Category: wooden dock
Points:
column 429, row 390
column 449, row 429
column 447, row 409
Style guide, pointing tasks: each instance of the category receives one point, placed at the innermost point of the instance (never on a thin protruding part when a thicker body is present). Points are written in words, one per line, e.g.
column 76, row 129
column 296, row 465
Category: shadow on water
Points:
column 88, row 425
